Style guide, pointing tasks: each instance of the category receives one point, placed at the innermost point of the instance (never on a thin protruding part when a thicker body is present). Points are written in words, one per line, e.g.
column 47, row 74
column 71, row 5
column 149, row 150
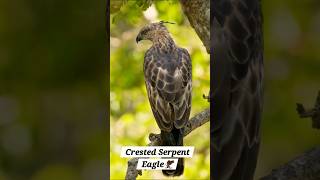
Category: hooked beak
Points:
column 138, row 38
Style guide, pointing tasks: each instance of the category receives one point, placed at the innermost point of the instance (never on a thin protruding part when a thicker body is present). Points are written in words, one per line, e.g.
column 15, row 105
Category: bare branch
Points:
column 195, row 122
column 304, row 167
column 313, row 113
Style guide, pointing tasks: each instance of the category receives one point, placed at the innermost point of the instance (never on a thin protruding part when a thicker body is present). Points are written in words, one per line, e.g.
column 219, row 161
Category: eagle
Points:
column 168, row 79
column 237, row 88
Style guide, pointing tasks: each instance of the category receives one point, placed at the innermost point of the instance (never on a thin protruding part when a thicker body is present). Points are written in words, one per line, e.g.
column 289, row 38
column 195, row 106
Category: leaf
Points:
column 129, row 12
column 144, row 4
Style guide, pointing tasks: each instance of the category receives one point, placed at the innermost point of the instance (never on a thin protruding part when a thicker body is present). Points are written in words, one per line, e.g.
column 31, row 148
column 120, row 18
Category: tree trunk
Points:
column 198, row 13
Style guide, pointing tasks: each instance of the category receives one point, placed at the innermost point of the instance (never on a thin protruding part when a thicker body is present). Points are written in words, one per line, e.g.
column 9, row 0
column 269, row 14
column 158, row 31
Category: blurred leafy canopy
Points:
column 127, row 8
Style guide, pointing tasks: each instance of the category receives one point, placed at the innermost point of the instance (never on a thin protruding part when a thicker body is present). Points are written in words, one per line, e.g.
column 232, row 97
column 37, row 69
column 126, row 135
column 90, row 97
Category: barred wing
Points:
column 168, row 82
column 237, row 75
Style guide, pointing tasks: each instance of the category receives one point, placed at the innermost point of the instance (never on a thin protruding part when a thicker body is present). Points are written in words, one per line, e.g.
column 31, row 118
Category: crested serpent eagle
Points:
column 237, row 92
column 167, row 73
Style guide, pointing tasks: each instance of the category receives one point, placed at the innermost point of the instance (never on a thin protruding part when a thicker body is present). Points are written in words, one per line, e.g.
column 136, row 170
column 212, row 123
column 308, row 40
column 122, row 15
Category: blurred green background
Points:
column 53, row 90
column 131, row 116
column 292, row 74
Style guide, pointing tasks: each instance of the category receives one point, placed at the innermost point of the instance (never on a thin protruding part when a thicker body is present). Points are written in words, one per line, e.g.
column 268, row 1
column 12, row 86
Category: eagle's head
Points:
column 153, row 31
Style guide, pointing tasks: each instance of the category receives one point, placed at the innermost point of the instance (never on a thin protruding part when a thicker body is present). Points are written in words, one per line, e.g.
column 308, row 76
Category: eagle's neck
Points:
column 164, row 42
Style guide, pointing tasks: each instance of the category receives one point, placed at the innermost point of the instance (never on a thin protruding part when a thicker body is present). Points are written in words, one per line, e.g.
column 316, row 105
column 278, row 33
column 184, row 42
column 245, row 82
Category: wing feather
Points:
column 237, row 73
column 169, row 84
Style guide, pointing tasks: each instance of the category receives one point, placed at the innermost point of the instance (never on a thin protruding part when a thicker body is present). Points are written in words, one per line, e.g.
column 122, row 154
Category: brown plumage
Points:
column 167, row 71
column 237, row 76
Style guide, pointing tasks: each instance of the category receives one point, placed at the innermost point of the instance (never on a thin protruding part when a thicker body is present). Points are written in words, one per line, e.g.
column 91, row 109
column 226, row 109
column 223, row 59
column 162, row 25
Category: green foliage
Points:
column 144, row 4
column 131, row 115
column 126, row 9
column 167, row 10
column 116, row 5
column 52, row 92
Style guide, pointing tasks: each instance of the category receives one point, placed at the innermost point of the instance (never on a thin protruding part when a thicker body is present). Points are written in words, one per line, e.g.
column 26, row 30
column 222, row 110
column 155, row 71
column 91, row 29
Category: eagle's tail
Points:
column 173, row 138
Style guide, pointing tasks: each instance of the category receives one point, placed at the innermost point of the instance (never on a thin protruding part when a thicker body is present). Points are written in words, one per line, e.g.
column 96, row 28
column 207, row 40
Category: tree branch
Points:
column 195, row 122
column 198, row 13
column 313, row 113
column 306, row 166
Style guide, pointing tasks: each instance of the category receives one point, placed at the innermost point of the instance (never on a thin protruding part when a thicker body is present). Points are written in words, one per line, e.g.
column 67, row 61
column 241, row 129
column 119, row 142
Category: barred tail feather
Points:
column 173, row 138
